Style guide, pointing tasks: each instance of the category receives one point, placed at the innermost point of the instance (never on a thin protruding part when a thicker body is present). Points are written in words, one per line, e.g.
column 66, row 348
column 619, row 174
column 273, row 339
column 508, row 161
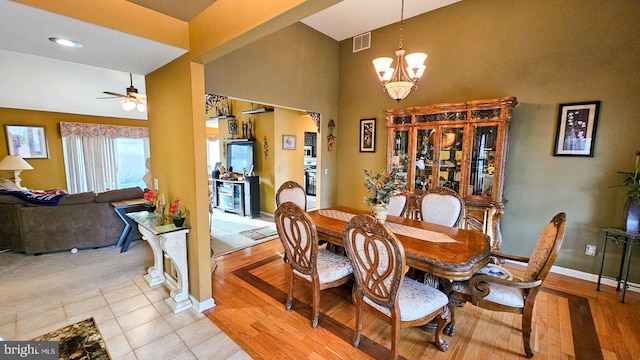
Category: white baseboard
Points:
column 201, row 306
column 584, row 276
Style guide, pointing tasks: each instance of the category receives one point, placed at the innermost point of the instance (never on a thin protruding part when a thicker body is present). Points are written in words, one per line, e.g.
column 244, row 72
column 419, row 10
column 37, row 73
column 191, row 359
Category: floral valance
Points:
column 110, row 131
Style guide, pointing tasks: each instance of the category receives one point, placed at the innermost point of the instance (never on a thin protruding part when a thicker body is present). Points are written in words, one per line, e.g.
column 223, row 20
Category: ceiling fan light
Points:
column 141, row 106
column 128, row 105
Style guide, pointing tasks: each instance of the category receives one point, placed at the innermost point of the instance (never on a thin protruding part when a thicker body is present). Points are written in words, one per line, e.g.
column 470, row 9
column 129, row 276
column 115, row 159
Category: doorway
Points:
column 310, row 167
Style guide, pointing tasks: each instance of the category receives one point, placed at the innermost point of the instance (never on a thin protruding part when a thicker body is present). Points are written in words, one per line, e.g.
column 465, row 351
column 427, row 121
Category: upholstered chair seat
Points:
column 330, row 267
column 415, row 300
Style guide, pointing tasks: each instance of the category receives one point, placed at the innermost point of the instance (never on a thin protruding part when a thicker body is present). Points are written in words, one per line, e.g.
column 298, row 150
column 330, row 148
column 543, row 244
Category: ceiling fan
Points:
column 132, row 100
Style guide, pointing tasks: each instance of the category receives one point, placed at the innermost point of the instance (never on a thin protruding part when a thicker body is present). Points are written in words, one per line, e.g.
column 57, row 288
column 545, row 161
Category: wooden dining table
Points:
column 445, row 252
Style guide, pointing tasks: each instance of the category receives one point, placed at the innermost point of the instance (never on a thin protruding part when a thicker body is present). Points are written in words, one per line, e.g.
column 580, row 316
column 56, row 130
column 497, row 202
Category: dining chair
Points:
column 441, row 206
column 508, row 294
column 378, row 262
column 321, row 268
column 292, row 191
column 397, row 206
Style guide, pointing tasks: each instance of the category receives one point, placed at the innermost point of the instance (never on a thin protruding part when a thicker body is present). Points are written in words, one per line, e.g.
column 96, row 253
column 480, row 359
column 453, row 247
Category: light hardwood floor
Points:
column 571, row 321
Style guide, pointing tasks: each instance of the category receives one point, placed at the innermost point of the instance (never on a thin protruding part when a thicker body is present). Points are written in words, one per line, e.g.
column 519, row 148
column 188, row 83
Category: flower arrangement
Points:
column 148, row 197
column 383, row 186
column 175, row 211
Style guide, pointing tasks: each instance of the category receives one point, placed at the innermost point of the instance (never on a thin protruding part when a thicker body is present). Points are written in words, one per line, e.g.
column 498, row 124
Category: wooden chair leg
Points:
column 291, row 286
column 526, row 329
column 443, row 319
column 359, row 314
column 395, row 337
column 316, row 305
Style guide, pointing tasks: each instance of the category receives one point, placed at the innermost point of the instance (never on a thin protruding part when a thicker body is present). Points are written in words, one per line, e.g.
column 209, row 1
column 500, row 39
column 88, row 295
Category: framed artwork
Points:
column 576, row 133
column 29, row 142
column 289, row 142
column 368, row 135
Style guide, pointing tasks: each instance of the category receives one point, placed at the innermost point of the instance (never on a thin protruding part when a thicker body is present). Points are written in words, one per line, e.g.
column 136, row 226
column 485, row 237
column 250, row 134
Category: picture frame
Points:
column 576, row 133
column 28, row 142
column 368, row 135
column 288, row 142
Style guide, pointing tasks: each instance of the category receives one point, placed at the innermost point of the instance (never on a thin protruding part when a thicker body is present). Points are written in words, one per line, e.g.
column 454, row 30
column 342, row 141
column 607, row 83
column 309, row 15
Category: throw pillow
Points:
column 8, row 185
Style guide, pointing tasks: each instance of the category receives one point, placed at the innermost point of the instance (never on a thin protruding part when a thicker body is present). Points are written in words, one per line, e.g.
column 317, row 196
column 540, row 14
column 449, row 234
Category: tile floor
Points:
column 134, row 321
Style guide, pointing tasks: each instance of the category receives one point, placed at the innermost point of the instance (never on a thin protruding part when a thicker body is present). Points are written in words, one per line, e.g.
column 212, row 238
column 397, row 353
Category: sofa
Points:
column 81, row 220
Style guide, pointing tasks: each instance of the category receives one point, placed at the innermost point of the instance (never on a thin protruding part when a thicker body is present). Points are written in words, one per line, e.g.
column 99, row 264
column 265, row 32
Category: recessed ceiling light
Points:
column 65, row 42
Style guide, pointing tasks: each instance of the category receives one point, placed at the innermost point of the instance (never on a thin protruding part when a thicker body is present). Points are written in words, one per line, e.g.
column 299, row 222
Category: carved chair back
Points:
column 294, row 192
column 397, row 206
column 299, row 236
column 442, row 206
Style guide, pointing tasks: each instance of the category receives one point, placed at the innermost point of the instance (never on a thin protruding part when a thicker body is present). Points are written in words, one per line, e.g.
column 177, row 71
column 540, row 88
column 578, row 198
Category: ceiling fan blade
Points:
column 115, row 94
column 138, row 96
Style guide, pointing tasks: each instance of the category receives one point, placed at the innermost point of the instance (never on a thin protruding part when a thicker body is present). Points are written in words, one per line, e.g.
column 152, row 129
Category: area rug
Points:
column 81, row 340
column 230, row 232
column 261, row 233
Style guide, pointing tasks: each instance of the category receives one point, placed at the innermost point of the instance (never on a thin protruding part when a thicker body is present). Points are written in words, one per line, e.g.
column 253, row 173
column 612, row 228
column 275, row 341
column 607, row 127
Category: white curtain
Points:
column 90, row 154
column 91, row 163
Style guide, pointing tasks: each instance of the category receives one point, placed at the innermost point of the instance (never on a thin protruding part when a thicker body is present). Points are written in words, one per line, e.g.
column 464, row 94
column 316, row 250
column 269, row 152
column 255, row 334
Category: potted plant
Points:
column 148, row 197
column 631, row 214
column 177, row 214
column 382, row 187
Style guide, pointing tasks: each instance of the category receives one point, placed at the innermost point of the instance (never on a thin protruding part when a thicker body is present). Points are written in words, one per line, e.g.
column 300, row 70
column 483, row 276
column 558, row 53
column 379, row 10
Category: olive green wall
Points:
column 544, row 53
column 296, row 68
column 49, row 173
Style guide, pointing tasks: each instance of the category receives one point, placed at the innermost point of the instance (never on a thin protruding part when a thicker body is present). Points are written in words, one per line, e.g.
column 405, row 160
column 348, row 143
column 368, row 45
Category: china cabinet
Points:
column 461, row 146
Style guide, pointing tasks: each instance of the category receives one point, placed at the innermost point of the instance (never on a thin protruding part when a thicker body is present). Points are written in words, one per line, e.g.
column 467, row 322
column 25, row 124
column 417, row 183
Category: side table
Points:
column 128, row 233
column 627, row 240
column 166, row 240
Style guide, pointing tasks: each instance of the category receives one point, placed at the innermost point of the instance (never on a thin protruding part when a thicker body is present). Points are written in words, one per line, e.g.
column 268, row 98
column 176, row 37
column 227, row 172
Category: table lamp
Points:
column 16, row 164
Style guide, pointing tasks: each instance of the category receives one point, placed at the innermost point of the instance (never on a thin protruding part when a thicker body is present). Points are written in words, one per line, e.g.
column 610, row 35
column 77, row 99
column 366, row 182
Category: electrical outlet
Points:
column 591, row 250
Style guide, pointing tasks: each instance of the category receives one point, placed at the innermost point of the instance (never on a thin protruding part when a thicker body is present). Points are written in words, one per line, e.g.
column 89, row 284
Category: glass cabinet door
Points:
column 425, row 146
column 450, row 164
column 400, row 153
column 483, row 166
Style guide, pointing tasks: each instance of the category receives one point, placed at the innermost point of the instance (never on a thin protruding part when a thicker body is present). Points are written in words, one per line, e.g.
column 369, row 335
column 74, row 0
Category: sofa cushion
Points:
column 8, row 184
column 78, row 198
column 119, row 194
column 9, row 199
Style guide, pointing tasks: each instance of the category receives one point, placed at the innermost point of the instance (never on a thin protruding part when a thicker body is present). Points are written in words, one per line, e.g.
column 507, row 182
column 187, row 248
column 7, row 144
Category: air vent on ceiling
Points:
column 361, row 42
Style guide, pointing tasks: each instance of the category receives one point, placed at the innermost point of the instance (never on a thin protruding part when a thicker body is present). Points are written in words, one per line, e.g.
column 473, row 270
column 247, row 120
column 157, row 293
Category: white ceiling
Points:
column 353, row 17
column 39, row 75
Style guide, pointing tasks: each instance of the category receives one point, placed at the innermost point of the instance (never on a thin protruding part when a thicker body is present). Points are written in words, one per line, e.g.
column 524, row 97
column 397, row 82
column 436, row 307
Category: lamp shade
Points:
column 14, row 162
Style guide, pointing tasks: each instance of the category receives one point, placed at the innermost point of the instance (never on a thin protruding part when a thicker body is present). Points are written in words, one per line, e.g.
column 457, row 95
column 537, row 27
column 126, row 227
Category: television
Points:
column 239, row 156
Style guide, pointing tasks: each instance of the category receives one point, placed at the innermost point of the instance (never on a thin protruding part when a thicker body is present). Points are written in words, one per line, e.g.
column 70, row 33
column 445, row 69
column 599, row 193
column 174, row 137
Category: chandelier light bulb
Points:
column 141, row 107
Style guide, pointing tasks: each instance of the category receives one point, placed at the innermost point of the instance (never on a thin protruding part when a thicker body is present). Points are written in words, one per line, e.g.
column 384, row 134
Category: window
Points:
column 102, row 157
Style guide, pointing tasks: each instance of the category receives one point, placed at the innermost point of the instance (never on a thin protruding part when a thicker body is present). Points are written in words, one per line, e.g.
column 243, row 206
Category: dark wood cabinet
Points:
column 237, row 196
column 461, row 146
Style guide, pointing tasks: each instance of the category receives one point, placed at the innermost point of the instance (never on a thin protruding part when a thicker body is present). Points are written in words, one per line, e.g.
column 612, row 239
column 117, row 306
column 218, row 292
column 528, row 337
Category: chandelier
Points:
column 399, row 82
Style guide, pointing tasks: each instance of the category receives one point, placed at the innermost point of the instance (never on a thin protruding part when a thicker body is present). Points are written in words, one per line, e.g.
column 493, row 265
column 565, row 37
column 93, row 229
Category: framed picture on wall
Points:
column 368, row 135
column 29, row 142
column 576, row 133
column 289, row 142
